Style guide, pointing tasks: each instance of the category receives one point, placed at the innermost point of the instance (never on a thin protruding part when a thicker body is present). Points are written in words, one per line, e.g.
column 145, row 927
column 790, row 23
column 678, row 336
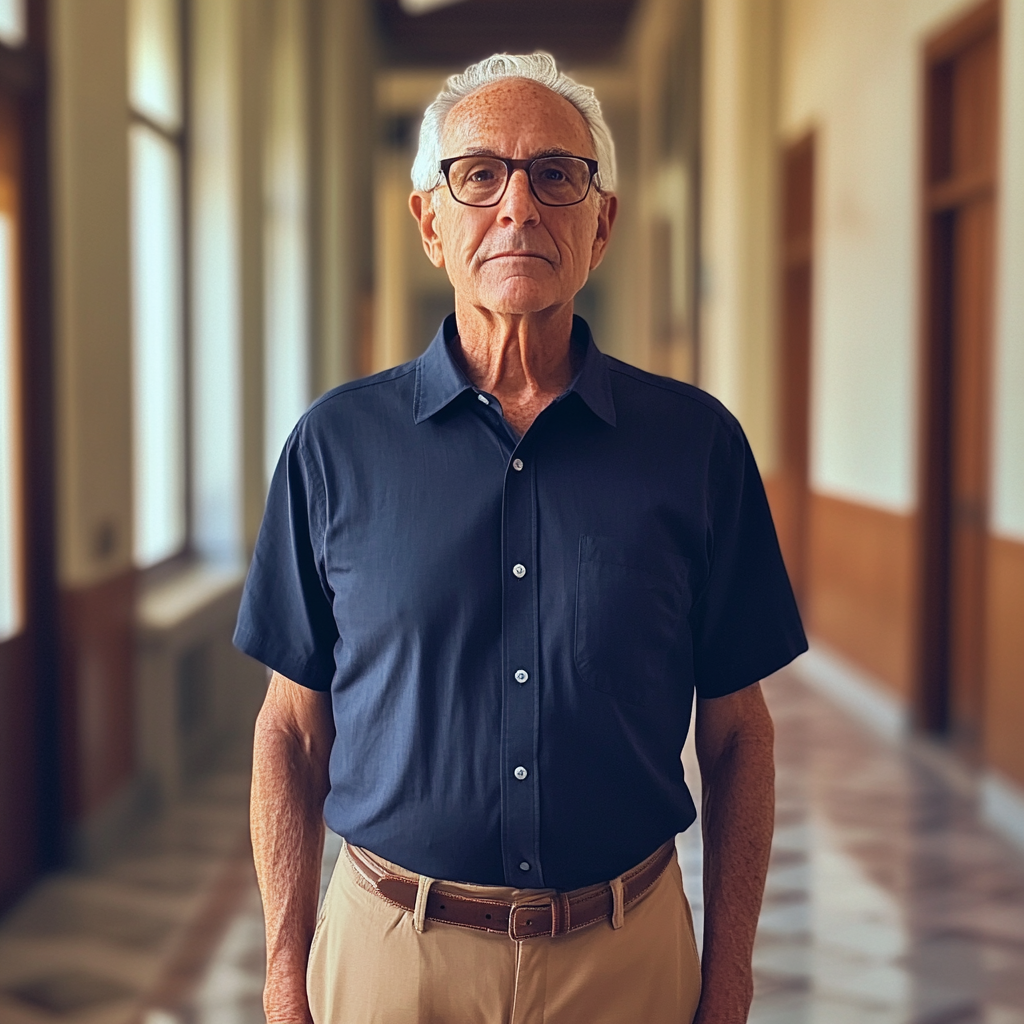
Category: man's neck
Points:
column 524, row 360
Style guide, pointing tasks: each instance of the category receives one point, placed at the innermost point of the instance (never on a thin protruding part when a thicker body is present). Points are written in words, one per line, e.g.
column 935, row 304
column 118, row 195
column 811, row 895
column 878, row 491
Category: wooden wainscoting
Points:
column 860, row 595
column 1004, row 669
column 97, row 684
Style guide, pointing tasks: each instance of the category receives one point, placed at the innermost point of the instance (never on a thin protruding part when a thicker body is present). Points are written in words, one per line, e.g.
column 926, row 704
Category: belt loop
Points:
column 419, row 914
column 618, row 907
column 559, row 914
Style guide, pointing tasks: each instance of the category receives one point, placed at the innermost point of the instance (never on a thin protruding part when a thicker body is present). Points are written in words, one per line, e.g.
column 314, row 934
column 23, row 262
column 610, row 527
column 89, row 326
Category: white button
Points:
column 520, row 773
column 522, row 675
column 524, row 865
column 517, row 465
column 483, row 398
column 518, row 570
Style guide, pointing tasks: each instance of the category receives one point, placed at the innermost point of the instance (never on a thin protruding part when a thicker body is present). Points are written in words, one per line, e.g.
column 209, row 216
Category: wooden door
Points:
column 19, row 822
column 960, row 195
column 791, row 493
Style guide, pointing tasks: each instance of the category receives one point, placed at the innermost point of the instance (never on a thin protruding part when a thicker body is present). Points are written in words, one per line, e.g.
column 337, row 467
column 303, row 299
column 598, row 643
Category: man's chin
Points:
column 520, row 301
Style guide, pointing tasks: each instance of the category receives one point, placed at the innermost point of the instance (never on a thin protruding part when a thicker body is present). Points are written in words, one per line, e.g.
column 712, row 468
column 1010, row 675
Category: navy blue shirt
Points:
column 512, row 630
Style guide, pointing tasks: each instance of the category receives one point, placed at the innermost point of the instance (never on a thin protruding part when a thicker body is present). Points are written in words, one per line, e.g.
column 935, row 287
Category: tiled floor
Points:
column 887, row 902
column 95, row 947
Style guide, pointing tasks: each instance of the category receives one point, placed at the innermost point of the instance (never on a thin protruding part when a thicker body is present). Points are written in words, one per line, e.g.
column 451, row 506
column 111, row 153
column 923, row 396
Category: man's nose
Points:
column 518, row 204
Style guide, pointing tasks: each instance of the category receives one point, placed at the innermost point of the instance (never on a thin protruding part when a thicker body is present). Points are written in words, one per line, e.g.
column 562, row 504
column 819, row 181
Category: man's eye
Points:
column 481, row 175
column 553, row 174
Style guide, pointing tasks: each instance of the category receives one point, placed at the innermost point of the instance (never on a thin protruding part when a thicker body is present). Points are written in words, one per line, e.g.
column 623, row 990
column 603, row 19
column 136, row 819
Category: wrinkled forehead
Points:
column 515, row 114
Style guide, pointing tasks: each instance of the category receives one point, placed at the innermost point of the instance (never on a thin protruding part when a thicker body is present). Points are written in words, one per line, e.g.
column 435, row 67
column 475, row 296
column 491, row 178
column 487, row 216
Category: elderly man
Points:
column 489, row 583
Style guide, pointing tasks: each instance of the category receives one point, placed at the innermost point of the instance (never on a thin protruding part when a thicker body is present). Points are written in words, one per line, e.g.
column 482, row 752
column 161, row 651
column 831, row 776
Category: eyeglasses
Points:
column 554, row 180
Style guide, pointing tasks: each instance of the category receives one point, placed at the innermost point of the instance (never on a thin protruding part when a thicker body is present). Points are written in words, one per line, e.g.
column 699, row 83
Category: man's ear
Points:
column 421, row 206
column 605, row 219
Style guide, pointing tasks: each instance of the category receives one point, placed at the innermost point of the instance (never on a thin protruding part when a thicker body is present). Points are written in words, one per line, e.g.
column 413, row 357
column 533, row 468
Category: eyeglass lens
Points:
column 556, row 180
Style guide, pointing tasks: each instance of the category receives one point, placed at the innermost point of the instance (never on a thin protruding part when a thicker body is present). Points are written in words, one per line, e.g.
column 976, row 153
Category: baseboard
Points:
column 853, row 689
column 1000, row 802
column 1002, row 807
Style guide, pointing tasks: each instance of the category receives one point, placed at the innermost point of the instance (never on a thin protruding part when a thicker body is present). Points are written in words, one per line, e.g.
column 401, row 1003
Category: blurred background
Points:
column 203, row 226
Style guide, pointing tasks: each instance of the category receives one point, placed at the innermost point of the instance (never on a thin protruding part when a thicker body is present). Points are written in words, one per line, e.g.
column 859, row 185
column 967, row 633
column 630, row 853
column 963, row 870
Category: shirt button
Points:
column 483, row 398
column 519, row 570
column 522, row 675
column 520, row 773
column 524, row 865
column 517, row 465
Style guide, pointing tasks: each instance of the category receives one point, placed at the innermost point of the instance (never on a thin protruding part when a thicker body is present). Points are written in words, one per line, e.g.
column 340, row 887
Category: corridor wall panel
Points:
column 1004, row 710
column 860, row 586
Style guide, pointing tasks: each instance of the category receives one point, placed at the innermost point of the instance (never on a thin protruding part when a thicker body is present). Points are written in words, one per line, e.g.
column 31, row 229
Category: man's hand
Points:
column 294, row 732
column 735, row 748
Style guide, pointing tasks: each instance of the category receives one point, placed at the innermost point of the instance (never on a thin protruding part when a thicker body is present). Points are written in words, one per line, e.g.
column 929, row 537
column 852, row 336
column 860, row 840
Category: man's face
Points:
column 519, row 256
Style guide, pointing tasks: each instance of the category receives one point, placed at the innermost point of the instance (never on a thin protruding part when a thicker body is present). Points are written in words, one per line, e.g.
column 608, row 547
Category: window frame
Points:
column 181, row 140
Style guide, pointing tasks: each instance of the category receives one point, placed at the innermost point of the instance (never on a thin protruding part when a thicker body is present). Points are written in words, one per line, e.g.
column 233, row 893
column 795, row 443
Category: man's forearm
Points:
column 738, row 819
column 288, row 788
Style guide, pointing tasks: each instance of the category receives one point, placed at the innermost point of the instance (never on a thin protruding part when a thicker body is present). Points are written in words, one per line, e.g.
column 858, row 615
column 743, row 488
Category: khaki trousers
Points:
column 368, row 964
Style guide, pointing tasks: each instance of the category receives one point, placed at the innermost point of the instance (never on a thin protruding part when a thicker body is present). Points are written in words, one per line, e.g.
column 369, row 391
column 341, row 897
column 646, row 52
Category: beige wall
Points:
column 402, row 271
column 854, row 73
column 342, row 51
column 91, row 288
column 739, row 208
column 1008, row 442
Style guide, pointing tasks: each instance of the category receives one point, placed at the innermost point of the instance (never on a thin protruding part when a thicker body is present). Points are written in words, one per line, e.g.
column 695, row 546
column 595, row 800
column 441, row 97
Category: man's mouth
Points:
column 519, row 254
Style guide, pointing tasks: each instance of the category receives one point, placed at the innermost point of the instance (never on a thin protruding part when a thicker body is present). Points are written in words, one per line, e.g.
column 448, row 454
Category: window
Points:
column 10, row 535
column 13, row 23
column 12, row 33
column 158, row 345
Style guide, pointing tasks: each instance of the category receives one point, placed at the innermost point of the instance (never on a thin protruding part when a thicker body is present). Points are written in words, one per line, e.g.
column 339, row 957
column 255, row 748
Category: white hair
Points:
column 538, row 67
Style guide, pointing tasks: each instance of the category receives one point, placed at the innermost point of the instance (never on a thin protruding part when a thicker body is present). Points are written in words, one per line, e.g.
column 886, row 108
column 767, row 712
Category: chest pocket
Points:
column 630, row 610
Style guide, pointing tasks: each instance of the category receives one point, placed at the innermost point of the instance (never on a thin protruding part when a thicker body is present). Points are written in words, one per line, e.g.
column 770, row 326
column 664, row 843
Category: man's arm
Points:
column 735, row 739
column 294, row 732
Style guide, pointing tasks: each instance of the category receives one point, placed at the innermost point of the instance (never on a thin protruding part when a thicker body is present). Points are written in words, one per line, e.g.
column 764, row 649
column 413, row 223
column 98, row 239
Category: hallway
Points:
column 204, row 225
column 888, row 902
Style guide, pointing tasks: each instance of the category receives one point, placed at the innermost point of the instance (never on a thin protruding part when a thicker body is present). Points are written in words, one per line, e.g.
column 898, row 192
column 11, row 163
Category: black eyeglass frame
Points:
column 515, row 165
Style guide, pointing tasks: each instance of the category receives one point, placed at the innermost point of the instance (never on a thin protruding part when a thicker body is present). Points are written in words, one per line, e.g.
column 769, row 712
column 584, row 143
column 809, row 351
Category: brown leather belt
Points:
column 554, row 914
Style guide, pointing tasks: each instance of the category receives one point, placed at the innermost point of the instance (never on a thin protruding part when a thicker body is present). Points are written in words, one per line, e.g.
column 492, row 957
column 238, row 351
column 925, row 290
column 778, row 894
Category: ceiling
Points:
column 575, row 31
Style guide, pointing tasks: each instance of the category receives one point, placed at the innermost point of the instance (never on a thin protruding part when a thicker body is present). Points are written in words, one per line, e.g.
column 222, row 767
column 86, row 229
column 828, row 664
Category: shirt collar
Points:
column 440, row 380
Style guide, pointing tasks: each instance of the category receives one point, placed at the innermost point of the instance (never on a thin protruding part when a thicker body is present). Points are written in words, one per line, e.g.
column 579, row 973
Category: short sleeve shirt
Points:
column 511, row 629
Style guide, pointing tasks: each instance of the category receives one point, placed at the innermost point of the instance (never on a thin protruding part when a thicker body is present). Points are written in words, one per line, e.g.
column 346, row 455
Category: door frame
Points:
column 791, row 488
column 931, row 698
column 23, row 79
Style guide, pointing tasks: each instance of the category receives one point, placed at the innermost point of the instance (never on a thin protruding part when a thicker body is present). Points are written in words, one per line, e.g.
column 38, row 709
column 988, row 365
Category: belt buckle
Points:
column 524, row 909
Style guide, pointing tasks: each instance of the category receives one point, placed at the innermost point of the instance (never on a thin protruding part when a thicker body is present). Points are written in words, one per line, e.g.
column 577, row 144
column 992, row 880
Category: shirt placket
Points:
column 520, row 785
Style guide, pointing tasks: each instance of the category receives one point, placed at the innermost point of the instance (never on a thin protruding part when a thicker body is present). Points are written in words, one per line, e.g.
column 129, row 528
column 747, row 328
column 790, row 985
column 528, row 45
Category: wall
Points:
column 739, row 184
column 656, row 269
column 853, row 74
column 93, row 345
column 342, row 55
column 1005, row 669
column 90, row 186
